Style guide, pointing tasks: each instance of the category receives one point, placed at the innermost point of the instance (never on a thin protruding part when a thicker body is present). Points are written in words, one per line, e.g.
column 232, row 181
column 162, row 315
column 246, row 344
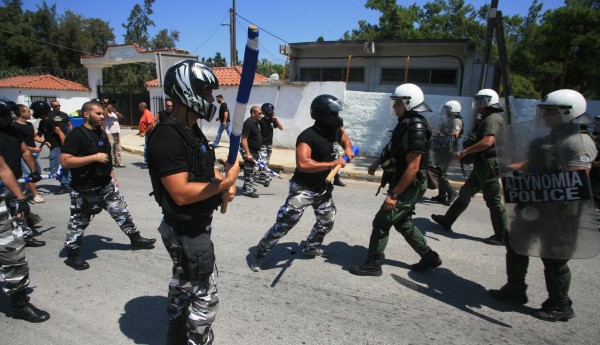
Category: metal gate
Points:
column 128, row 99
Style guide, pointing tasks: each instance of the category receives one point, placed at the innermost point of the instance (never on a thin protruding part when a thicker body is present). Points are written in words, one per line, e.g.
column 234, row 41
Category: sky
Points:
column 204, row 30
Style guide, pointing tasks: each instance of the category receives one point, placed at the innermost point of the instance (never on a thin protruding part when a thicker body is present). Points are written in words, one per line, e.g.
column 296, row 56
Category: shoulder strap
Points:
column 185, row 134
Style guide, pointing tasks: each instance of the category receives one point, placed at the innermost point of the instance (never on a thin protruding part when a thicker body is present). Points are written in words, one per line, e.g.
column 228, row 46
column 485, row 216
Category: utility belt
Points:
column 392, row 178
column 197, row 226
column 91, row 200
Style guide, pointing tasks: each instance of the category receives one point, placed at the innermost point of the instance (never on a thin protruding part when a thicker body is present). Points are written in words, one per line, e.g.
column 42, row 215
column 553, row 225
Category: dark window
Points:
column 332, row 74
column 443, row 76
column 392, row 75
column 418, row 76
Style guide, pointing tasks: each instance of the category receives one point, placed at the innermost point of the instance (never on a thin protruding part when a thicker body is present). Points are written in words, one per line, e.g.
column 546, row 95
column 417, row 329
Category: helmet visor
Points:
column 483, row 101
column 552, row 115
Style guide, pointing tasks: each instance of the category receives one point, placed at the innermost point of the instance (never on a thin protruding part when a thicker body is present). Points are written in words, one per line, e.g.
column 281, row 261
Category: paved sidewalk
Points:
column 284, row 160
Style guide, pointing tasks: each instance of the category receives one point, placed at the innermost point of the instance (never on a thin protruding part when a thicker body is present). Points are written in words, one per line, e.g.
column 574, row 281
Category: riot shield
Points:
column 548, row 201
column 443, row 143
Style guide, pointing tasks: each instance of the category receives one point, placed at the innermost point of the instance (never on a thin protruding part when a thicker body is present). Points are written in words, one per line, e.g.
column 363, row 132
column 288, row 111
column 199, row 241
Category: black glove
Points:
column 23, row 207
column 35, row 176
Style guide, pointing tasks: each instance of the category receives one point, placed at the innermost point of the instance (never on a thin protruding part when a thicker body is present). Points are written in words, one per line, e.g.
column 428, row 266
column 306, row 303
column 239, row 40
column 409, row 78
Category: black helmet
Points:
column 267, row 109
column 186, row 81
column 8, row 107
column 40, row 108
column 324, row 109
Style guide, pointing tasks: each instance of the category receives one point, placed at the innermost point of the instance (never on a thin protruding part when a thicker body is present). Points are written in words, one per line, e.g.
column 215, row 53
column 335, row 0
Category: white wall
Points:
column 368, row 117
column 69, row 100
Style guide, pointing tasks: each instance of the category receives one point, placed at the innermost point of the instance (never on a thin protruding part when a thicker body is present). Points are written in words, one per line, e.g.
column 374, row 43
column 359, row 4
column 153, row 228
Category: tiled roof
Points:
column 228, row 76
column 45, row 81
column 140, row 50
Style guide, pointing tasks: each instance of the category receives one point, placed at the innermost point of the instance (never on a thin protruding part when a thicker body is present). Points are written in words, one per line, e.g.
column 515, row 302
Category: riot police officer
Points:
column 484, row 175
column 554, row 221
column 188, row 188
column 445, row 144
column 404, row 161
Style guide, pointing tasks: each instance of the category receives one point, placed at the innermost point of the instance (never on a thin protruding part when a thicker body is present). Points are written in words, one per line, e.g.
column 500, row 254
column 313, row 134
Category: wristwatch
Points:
column 393, row 196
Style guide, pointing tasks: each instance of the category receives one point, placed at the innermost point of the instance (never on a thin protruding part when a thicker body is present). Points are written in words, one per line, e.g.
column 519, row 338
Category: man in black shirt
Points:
column 188, row 188
column 224, row 120
column 317, row 152
column 267, row 124
column 13, row 149
column 30, row 137
column 249, row 148
column 163, row 115
column 55, row 136
column 61, row 118
column 87, row 153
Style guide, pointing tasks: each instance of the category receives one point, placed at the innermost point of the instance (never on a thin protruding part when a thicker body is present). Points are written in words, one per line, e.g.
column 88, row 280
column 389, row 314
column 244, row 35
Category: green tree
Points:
column 138, row 23
column 164, row 39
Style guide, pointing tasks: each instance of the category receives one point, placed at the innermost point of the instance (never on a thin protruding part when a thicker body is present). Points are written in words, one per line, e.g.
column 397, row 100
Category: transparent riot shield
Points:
column 548, row 200
column 443, row 143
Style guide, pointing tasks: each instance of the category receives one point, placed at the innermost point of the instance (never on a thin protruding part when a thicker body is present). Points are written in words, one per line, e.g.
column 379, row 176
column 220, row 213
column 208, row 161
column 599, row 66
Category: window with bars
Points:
column 356, row 74
column 433, row 76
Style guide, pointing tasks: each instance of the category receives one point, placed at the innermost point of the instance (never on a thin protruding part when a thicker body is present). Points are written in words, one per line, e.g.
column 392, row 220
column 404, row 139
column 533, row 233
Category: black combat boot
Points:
column 369, row 268
column 337, row 181
column 33, row 242
column 74, row 260
column 440, row 198
column 441, row 220
column 177, row 332
column 138, row 242
column 511, row 292
column 23, row 310
column 553, row 311
column 429, row 260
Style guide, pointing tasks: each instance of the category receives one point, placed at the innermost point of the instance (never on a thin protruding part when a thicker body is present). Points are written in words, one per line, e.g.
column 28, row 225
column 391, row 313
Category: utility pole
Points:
column 232, row 17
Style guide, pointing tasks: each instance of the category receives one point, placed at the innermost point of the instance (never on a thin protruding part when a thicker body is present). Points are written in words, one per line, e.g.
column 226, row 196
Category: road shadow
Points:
column 95, row 243
column 145, row 320
column 426, row 225
column 463, row 294
column 347, row 256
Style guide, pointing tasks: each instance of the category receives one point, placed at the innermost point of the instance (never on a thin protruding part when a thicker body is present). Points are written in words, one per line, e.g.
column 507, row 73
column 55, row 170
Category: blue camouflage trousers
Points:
column 112, row 202
column 192, row 289
column 13, row 265
column 250, row 173
column 264, row 155
column 299, row 198
column 19, row 222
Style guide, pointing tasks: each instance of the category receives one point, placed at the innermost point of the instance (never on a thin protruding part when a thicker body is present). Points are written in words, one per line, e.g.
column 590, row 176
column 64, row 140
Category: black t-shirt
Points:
column 163, row 115
column 46, row 129
column 78, row 144
column 222, row 109
column 62, row 119
column 10, row 148
column 324, row 148
column 251, row 129
column 168, row 154
column 266, row 130
column 27, row 132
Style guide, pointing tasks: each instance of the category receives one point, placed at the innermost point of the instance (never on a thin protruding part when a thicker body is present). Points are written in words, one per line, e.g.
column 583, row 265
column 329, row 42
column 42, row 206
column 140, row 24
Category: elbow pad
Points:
column 419, row 136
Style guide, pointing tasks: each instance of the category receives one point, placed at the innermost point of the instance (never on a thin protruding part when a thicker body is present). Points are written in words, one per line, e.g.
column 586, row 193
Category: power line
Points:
column 211, row 35
column 47, row 43
column 262, row 29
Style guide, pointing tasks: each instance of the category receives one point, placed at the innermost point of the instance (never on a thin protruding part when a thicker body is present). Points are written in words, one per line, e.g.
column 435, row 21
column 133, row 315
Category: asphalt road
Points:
column 121, row 299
